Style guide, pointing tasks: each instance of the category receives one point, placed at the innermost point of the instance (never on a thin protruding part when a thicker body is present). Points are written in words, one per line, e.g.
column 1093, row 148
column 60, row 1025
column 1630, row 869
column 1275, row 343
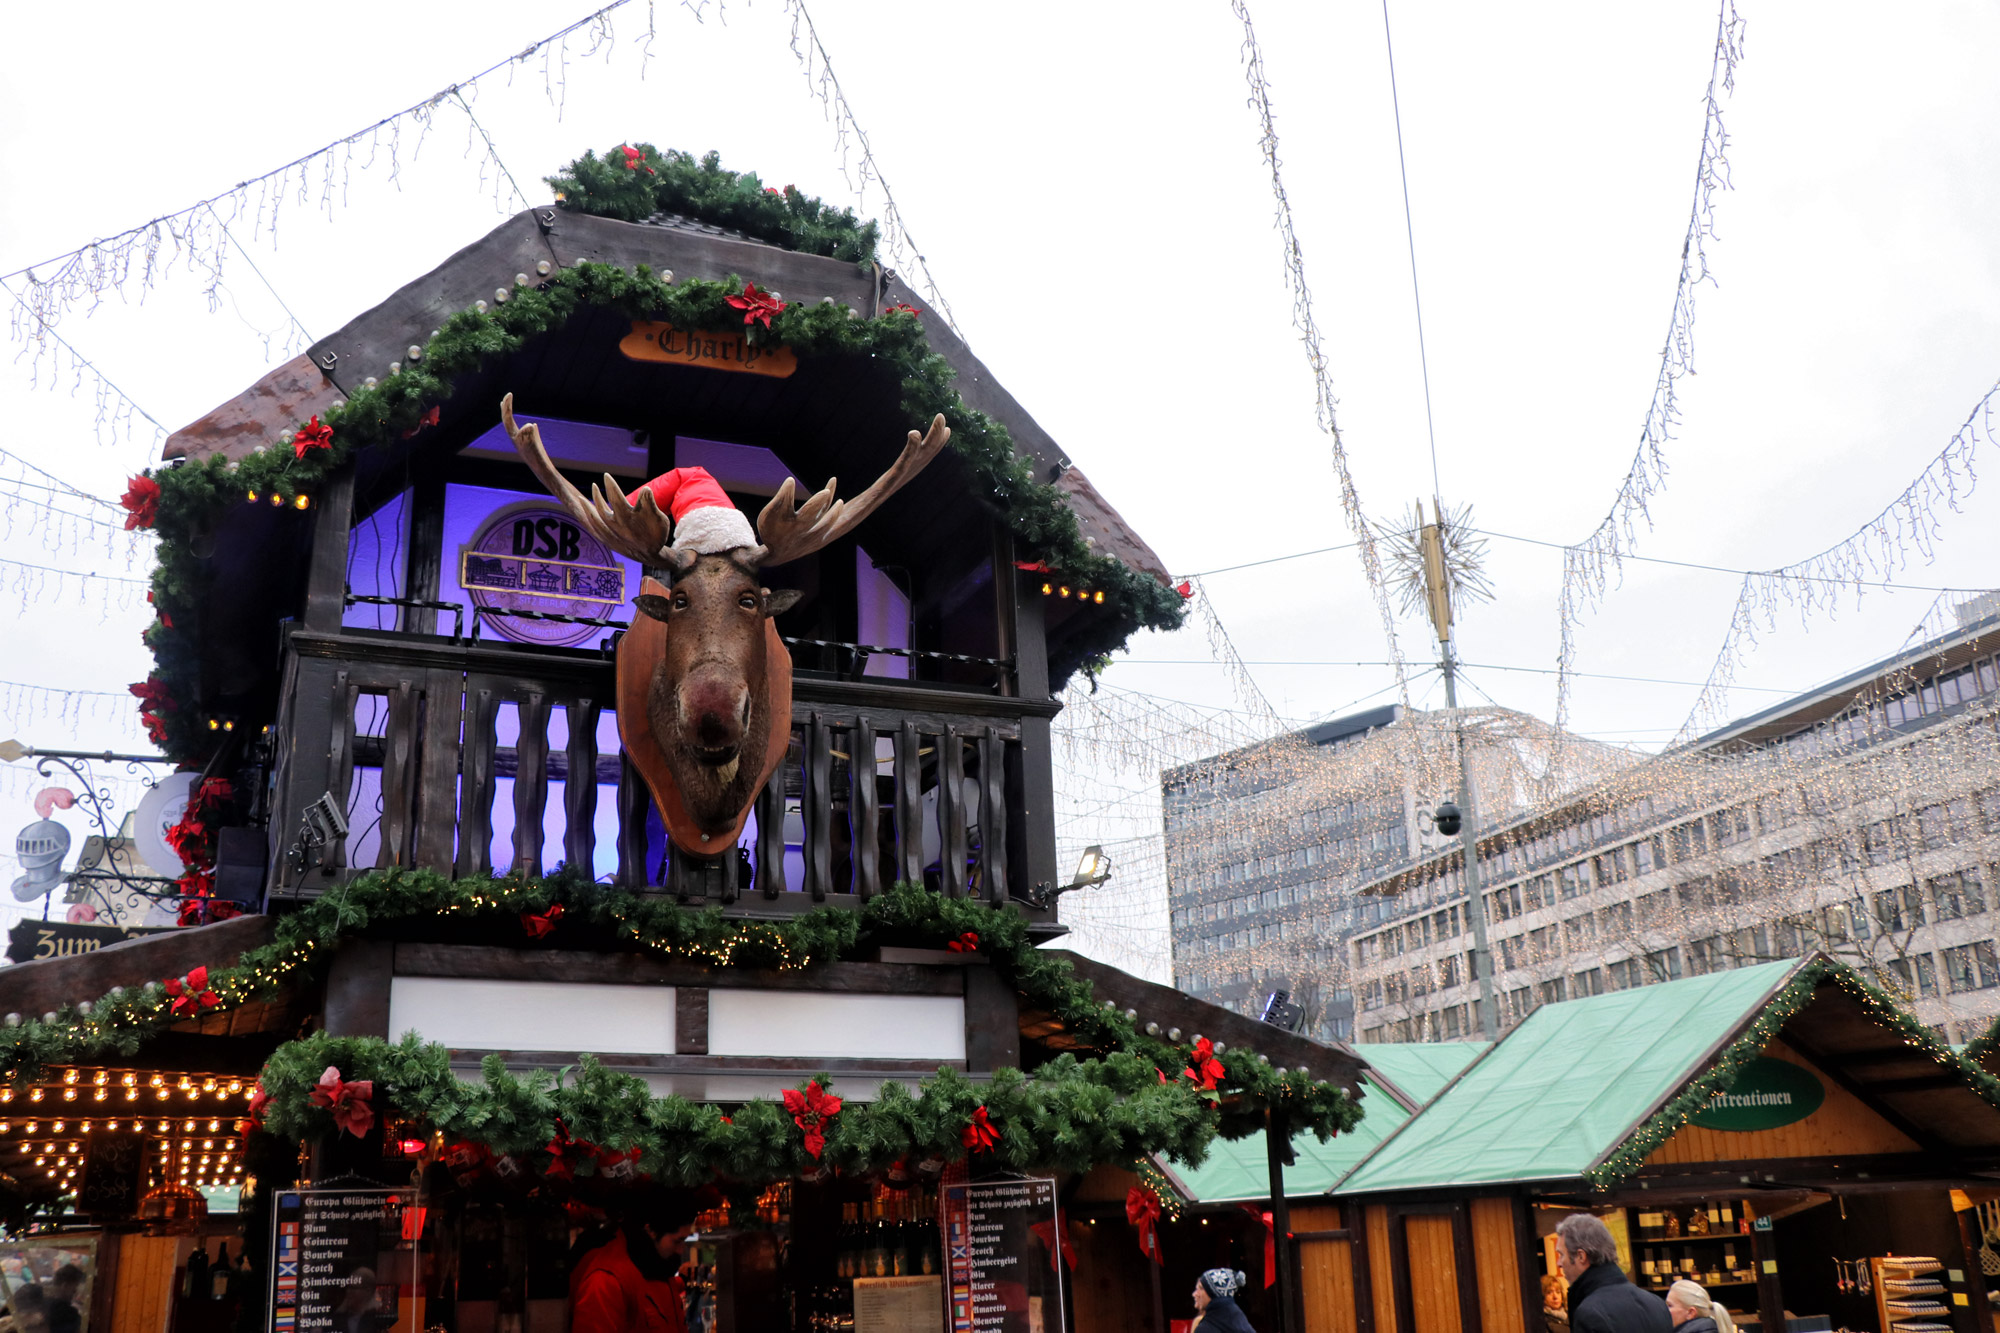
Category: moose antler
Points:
column 789, row 534
column 638, row 531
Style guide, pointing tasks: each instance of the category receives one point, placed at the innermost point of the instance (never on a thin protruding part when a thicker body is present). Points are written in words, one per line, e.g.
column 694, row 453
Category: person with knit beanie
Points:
column 1215, row 1302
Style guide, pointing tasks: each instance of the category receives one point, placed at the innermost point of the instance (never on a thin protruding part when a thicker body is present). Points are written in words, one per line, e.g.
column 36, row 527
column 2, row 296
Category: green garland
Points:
column 193, row 498
column 1982, row 1046
column 1127, row 1100
column 1721, row 1073
column 634, row 181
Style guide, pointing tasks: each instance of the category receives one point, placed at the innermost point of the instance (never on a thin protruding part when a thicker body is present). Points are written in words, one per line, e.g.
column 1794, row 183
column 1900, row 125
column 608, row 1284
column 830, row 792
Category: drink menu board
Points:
column 341, row 1261
column 1001, row 1280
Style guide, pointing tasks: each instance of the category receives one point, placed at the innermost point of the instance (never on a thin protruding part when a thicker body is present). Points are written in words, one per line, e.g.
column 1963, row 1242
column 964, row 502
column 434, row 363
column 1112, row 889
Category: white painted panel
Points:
column 533, row 1015
column 836, row 1024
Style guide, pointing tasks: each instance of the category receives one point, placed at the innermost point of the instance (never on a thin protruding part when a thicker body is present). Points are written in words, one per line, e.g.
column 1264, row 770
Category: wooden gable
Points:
column 1843, row 1125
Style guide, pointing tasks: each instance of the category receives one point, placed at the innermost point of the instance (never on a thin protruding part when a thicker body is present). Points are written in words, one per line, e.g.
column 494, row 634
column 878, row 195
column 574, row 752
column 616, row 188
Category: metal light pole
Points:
column 1437, row 600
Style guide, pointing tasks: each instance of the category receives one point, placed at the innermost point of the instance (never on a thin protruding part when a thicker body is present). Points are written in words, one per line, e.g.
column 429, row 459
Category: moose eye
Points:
column 680, row 601
column 747, row 601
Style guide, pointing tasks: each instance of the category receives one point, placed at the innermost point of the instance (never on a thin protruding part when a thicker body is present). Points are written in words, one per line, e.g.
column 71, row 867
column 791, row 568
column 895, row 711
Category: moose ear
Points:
column 781, row 601
column 652, row 604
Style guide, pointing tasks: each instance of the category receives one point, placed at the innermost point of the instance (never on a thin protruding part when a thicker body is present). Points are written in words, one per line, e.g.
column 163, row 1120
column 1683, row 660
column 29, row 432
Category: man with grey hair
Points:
column 1601, row 1299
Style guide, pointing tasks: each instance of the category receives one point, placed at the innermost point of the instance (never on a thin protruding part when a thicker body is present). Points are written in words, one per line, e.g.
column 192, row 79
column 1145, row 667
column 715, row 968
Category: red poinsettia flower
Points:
column 312, row 435
column 347, row 1101
column 190, row 994
column 757, row 306
column 812, row 1111
column 153, row 696
column 905, row 309
column 141, row 501
column 772, row 189
column 539, row 924
column 1184, row 588
column 981, row 1134
column 1203, row 1068
column 966, row 943
column 253, row 1115
column 635, row 159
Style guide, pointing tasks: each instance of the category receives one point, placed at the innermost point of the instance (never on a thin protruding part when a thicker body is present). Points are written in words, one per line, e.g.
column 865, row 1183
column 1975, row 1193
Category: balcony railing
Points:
column 448, row 754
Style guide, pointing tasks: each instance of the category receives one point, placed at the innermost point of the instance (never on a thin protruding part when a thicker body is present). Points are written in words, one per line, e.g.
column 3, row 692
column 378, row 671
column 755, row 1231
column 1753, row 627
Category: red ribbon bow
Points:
column 1049, row 1232
column 1270, row 1245
column 141, row 501
column 312, row 435
column 347, row 1101
column 539, row 924
column 812, row 1111
column 1185, row 589
column 757, row 306
column 981, row 1134
column 1142, row 1210
column 966, row 943
column 1203, row 1068
column 191, row 994
column 904, row 309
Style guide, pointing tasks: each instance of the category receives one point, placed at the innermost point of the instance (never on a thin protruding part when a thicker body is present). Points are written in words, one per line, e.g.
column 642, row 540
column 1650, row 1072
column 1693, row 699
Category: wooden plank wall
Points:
column 1433, row 1274
column 1843, row 1125
column 145, row 1283
column 1327, row 1272
column 1498, row 1263
column 1381, row 1269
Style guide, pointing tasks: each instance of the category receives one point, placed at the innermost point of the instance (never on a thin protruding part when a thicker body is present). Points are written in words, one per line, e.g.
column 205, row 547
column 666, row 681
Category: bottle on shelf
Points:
column 1673, row 1225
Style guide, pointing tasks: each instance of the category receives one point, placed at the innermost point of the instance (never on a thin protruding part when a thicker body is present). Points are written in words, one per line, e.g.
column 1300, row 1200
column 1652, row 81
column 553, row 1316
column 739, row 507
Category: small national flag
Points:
column 290, row 1269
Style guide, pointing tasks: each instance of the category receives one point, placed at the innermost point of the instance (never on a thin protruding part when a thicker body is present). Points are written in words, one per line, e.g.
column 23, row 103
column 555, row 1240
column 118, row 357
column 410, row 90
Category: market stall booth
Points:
column 1784, row 1135
column 637, row 868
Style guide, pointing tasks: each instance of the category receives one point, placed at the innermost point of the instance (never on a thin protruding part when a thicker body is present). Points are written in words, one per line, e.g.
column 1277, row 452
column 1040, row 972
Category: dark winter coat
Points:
column 1701, row 1323
column 1603, row 1301
column 1223, row 1316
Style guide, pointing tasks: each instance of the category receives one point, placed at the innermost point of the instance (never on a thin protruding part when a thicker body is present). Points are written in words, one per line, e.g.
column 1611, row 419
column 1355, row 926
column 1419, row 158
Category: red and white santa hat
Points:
column 704, row 519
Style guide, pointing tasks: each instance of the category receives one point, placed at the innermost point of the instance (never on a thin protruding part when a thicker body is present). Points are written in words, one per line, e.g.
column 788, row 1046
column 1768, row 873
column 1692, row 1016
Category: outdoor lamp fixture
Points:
column 1092, row 869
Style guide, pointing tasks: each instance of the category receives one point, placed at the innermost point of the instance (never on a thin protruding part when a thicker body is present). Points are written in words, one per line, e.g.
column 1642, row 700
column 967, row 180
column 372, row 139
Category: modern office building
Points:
column 1861, row 818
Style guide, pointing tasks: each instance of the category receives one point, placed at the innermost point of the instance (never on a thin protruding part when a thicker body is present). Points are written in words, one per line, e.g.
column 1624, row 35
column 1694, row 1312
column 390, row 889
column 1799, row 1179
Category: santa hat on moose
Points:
column 705, row 521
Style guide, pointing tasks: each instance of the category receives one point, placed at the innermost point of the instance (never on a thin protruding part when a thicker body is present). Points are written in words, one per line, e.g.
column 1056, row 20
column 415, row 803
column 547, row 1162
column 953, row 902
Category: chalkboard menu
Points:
column 998, row 1267
column 340, row 1261
column 111, row 1172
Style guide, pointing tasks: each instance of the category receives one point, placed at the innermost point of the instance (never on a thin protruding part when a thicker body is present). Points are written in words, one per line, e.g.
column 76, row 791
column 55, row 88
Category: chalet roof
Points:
column 1574, row 1082
column 338, row 364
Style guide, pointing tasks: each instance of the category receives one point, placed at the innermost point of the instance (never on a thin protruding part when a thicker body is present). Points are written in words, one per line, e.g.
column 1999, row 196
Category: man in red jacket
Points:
column 631, row 1283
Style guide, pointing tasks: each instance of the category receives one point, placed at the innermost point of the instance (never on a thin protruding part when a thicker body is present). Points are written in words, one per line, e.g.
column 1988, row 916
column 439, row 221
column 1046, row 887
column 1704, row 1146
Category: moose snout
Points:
column 716, row 710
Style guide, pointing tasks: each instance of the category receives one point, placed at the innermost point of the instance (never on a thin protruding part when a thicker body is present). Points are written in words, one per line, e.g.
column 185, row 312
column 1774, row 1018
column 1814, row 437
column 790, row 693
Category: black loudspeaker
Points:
column 241, row 856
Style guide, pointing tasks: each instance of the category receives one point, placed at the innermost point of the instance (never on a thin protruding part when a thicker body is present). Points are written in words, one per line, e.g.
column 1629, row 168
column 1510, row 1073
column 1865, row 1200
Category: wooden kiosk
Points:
column 1783, row 1134
column 446, row 963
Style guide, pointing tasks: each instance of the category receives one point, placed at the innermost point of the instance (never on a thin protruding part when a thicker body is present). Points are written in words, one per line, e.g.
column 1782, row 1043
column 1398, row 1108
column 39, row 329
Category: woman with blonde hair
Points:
column 1694, row 1312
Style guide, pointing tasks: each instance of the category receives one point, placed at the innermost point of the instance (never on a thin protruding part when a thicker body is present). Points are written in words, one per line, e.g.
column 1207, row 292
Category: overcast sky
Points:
column 1085, row 182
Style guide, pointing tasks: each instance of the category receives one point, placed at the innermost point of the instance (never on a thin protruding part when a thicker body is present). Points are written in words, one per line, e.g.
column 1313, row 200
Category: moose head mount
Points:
column 704, row 697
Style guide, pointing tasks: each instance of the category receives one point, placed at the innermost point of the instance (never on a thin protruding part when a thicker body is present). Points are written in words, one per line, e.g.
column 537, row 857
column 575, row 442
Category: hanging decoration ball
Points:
column 666, row 275
column 1131, row 1015
column 49, row 1017
column 284, row 437
column 395, row 367
column 1221, row 1046
column 1195, row 1040
column 13, row 1020
column 413, row 353
column 370, row 382
column 1263, row 1059
column 480, row 306
column 852, row 313
column 83, row 1007
column 500, row 294
column 1152, row 1029
column 543, row 268
column 115, row 993
column 1173, row 1034
column 521, row 280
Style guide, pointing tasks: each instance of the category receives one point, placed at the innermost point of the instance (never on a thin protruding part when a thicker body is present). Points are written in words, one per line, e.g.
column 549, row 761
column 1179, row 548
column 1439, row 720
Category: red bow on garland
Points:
column 812, row 1111
column 757, row 306
column 981, row 1134
column 539, row 924
column 1142, row 1210
column 191, row 994
column 905, row 309
column 1048, row 1232
column 153, row 701
column 1270, row 1245
column 966, row 943
column 634, row 159
column 1185, row 589
column 312, row 435
column 141, row 501
column 424, row 423
column 347, row 1101
column 560, row 1147
column 1203, row 1068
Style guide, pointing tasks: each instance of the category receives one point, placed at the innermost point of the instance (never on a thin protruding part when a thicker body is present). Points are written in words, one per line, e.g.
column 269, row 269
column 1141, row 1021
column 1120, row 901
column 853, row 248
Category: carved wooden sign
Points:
column 651, row 340
column 704, row 681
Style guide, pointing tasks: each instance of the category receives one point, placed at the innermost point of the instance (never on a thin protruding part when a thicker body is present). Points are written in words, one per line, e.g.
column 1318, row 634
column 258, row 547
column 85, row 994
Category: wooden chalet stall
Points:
column 478, row 1000
column 1781, row 1134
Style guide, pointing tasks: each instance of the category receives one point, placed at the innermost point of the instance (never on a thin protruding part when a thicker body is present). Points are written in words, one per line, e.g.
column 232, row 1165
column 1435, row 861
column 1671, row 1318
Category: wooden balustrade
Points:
column 883, row 780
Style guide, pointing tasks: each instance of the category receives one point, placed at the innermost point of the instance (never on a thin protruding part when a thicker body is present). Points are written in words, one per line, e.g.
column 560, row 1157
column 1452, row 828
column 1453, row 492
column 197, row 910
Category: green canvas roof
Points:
column 1568, row 1085
column 1238, row 1171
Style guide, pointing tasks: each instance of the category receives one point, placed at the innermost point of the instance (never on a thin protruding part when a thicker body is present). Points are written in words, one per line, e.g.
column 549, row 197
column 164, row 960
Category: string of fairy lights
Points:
column 187, row 1120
